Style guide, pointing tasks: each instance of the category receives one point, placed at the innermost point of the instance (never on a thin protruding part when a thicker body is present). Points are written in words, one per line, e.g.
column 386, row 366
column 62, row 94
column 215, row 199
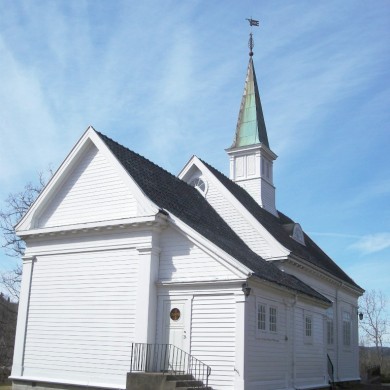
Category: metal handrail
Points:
column 330, row 371
column 169, row 359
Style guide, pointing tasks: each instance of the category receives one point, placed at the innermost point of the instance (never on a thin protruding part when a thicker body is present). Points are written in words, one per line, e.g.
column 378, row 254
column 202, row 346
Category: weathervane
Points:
column 251, row 44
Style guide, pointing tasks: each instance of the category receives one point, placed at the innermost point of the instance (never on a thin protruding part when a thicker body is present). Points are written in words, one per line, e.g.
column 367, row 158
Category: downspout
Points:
column 337, row 333
column 294, row 373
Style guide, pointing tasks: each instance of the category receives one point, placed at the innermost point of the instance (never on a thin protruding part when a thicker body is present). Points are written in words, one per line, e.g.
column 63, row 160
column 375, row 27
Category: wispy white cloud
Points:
column 332, row 234
column 368, row 192
column 372, row 243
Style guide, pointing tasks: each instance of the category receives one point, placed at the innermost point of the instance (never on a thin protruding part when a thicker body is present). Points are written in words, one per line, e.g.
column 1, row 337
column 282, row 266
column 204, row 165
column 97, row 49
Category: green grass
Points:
column 5, row 386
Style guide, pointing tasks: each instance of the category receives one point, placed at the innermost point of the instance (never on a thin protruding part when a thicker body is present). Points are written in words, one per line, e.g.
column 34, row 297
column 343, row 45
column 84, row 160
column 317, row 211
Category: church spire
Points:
column 250, row 127
column 251, row 159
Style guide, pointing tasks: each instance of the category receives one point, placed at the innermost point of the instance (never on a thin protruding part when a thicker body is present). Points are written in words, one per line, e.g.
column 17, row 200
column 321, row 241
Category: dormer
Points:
column 295, row 231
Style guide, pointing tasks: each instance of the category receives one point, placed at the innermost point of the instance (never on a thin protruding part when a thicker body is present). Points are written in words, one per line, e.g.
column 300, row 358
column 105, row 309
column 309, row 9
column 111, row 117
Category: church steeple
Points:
column 250, row 125
column 251, row 159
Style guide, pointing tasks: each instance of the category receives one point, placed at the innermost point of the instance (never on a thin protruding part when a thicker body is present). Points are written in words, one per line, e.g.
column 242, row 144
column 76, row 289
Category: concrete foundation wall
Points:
column 28, row 385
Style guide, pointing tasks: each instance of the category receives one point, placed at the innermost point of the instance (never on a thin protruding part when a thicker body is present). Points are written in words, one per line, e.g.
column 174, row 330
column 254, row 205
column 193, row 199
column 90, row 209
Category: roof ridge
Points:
column 140, row 156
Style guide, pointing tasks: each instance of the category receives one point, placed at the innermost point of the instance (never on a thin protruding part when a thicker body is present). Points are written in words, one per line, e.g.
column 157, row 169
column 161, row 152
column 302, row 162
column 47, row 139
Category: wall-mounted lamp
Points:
column 246, row 289
column 360, row 316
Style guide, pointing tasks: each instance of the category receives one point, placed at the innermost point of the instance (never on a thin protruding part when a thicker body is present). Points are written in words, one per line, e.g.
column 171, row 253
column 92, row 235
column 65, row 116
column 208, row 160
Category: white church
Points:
column 136, row 278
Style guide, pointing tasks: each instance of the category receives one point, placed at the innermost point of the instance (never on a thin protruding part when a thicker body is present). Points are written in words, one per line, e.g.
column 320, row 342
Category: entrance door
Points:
column 175, row 333
column 175, row 324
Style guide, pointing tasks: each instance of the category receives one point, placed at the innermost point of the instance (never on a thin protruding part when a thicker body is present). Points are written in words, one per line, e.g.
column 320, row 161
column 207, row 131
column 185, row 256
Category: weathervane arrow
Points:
column 251, row 44
column 253, row 22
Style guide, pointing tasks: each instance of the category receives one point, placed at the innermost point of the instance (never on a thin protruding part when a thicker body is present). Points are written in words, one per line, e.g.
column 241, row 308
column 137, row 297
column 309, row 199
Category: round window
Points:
column 199, row 184
column 174, row 314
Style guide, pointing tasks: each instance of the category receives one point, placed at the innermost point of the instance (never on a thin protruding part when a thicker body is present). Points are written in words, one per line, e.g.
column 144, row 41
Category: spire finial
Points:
column 251, row 44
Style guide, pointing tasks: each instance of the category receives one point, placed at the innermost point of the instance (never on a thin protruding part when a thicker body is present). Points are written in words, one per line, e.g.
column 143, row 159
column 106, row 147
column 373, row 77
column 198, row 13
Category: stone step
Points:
column 185, row 382
column 189, row 383
column 179, row 377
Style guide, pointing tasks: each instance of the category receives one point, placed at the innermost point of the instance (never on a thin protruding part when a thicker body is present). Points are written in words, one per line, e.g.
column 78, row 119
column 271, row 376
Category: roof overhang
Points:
column 299, row 262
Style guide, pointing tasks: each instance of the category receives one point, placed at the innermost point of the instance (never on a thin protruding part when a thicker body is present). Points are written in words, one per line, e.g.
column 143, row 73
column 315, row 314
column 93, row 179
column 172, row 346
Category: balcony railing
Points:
column 168, row 359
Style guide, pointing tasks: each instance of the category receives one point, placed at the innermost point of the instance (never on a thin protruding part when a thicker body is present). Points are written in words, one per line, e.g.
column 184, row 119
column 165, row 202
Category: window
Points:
column 261, row 320
column 308, row 326
column 329, row 326
column 272, row 319
column 266, row 318
column 199, row 184
column 346, row 329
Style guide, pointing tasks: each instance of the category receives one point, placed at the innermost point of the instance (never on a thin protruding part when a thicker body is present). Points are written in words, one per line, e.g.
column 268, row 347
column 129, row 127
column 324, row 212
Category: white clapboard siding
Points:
column 81, row 316
column 309, row 356
column 267, row 353
column 93, row 192
column 237, row 222
column 213, row 337
column 182, row 260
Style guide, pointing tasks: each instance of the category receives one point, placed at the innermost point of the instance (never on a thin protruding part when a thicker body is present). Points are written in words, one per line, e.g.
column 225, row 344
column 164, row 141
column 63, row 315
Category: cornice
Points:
column 300, row 263
column 290, row 291
column 250, row 148
column 211, row 282
column 157, row 221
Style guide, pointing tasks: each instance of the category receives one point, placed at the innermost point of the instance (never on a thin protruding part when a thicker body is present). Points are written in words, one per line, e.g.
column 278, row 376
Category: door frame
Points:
column 162, row 299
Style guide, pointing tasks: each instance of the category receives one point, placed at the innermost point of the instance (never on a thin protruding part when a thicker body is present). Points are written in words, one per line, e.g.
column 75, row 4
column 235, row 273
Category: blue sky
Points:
column 165, row 78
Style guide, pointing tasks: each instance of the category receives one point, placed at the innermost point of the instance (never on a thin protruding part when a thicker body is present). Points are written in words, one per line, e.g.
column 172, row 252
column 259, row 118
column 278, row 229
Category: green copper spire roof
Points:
column 250, row 126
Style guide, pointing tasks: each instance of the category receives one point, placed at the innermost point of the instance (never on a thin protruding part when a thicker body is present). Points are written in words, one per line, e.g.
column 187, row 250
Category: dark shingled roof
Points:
column 309, row 252
column 174, row 195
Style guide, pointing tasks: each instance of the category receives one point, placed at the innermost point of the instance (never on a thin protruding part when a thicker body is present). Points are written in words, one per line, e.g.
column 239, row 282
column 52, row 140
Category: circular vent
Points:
column 199, row 184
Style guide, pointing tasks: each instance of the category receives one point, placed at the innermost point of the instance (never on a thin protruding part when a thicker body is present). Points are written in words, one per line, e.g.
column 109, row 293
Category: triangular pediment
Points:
column 235, row 214
column 90, row 186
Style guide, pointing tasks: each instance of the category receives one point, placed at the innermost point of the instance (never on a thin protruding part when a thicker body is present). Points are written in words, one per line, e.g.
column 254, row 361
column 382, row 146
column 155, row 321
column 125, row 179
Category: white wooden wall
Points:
column 81, row 317
column 213, row 337
column 237, row 222
column 92, row 192
column 267, row 358
column 309, row 354
column 213, row 324
column 181, row 260
column 285, row 358
column 345, row 360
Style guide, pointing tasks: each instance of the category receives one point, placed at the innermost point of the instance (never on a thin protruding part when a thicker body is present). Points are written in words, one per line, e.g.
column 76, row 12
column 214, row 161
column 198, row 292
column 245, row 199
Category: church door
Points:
column 176, row 332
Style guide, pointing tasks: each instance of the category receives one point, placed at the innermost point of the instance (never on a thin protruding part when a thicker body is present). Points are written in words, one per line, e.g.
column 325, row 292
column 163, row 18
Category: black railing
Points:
column 168, row 359
column 330, row 371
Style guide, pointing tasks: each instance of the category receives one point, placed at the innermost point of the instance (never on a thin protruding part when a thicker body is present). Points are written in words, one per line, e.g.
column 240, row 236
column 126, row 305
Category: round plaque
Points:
column 174, row 314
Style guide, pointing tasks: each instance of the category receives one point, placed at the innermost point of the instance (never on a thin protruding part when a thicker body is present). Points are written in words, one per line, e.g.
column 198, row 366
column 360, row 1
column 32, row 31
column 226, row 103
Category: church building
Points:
column 194, row 281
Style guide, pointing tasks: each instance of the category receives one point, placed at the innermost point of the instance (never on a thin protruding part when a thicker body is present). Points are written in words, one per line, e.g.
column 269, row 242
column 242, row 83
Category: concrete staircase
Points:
column 161, row 381
column 183, row 382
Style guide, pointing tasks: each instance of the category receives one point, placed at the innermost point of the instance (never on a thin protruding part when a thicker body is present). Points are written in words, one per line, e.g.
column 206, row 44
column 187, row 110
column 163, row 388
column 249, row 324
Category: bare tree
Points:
column 16, row 205
column 375, row 323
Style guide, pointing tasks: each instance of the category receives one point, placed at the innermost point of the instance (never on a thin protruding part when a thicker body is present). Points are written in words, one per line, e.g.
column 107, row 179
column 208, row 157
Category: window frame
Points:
column 271, row 318
column 264, row 306
column 308, row 320
column 330, row 327
column 346, row 318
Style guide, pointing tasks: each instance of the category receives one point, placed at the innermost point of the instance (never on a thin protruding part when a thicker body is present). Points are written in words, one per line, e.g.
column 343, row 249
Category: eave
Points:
column 158, row 219
column 301, row 263
column 324, row 303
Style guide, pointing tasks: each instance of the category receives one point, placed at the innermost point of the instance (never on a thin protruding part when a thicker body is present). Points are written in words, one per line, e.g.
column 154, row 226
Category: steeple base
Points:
column 262, row 192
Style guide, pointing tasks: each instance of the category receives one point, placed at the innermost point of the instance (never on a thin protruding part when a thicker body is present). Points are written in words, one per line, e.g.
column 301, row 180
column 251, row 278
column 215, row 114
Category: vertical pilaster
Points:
column 145, row 321
column 21, row 328
column 239, row 366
